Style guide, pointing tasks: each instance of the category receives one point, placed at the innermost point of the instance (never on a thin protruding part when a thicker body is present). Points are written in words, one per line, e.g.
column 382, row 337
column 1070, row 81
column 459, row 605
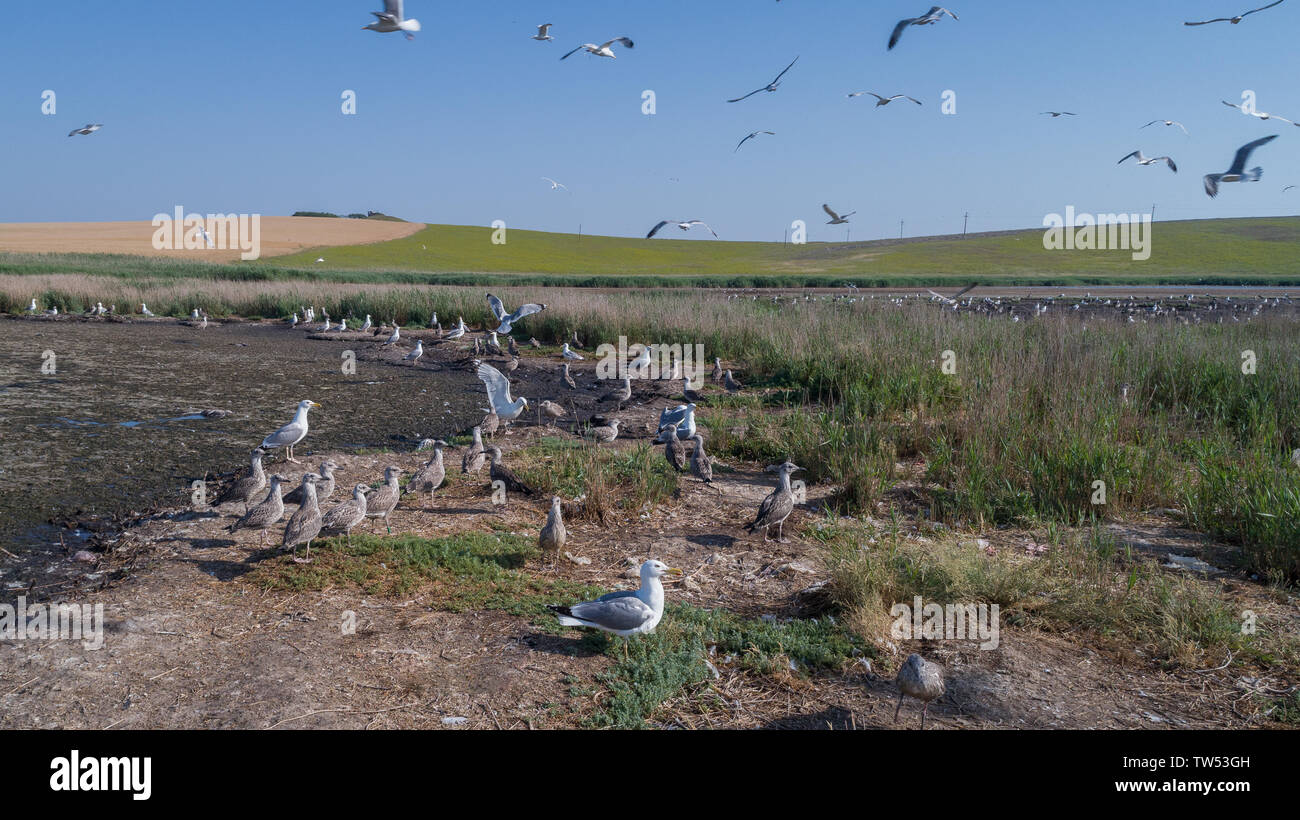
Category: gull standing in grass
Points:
column 569, row 354
column 1145, row 160
column 1235, row 19
column 701, row 464
column 544, row 32
column 248, row 486
column 429, row 477
column 32, row 307
column 305, row 524
column 552, row 411
column 621, row 395
column 752, row 134
column 623, row 613
column 498, row 390
column 922, row 680
column 836, row 219
column 717, row 369
column 604, row 433
column 1237, row 172
column 602, row 50
column 473, row 459
column 383, row 500
column 684, row 225
column 1166, row 122
column 934, row 15
column 772, row 86
column 264, row 515
column 689, row 393
column 346, row 516
column 324, row 485
column 414, row 355
column 392, row 19
column 500, row 472
column 508, row 320
column 776, row 508
column 674, row 450
column 553, row 534
column 292, row 433
column 731, row 384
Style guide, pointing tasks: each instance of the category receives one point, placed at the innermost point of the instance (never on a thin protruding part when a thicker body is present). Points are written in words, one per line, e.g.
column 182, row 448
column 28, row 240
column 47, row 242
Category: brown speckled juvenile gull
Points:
column 247, row 487
column 922, row 680
column 348, row 514
column 776, row 508
column 305, row 524
column 264, row 515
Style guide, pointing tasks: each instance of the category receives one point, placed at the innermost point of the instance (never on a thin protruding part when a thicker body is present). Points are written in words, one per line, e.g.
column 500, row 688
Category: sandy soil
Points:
column 193, row 642
column 280, row 235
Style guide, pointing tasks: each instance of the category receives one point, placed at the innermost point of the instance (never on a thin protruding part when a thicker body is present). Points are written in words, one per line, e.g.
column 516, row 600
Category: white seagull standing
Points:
column 32, row 307
column 508, row 320
column 685, row 226
column 569, row 354
column 393, row 339
column 292, row 433
column 836, row 219
column 414, row 355
column 85, row 130
column 498, row 390
column 772, row 86
column 602, row 50
column 392, row 19
column 934, row 15
column 459, row 330
column 1145, row 160
column 1236, row 18
column 1166, row 122
column 543, row 32
column 623, row 613
column 1237, row 172
column 1257, row 114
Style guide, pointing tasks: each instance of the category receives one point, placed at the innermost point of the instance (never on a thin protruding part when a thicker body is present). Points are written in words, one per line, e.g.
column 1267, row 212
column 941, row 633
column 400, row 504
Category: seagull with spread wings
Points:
column 392, row 19
column 498, row 390
column 772, row 86
column 1145, row 160
column 544, row 32
column 555, row 186
column 86, row 130
column 1237, row 172
column 836, row 219
column 1262, row 115
column 1166, row 122
column 602, row 50
column 508, row 320
column 685, row 226
column 1235, row 19
column 952, row 300
column 934, row 15
column 1056, row 114
column 885, row 100
column 750, row 137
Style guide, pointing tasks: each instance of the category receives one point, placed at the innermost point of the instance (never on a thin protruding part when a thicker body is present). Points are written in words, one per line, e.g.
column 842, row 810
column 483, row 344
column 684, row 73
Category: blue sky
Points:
column 206, row 107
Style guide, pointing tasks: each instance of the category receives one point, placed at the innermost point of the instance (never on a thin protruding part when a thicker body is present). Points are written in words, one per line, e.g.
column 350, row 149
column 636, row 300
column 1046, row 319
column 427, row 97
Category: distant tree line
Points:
column 366, row 215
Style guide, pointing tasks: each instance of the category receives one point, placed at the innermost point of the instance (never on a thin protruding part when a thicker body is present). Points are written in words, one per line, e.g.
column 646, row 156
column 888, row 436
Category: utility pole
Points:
column 1153, row 212
column 964, row 221
column 847, row 231
column 900, row 229
column 579, row 232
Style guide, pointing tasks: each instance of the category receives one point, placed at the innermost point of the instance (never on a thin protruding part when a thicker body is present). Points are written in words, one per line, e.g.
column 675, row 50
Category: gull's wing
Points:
column 1243, row 153
column 579, row 48
column 787, row 68
column 1170, row 162
column 1212, row 184
column 877, row 96
column 942, row 11
column 913, row 99
column 287, row 434
column 498, row 309
column 498, row 386
column 1261, row 8
column 701, row 222
column 394, row 7
column 965, row 290
column 1207, row 22
column 655, row 229
column 742, row 142
column 1153, row 122
column 524, row 310
column 623, row 613
column 898, row 30
column 1234, row 105
column 747, row 96
column 543, row 28
column 1137, row 154
column 829, row 212
column 625, row 41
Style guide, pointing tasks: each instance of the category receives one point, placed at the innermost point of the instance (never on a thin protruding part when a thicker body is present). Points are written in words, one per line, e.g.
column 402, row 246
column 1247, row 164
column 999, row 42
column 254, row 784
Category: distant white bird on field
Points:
column 395, row 337
column 85, row 130
column 543, row 32
column 1166, row 122
column 498, row 390
column 752, row 134
column 508, row 320
column 459, row 330
column 1237, row 172
column 602, row 50
column 836, row 219
column 365, row 326
column 772, row 86
column 934, row 15
column 392, row 19
column 32, row 307
column 1145, row 160
column 885, row 100
column 414, row 355
column 1262, row 115
column 1235, row 19
column 555, row 186
column 685, row 226
column 144, row 309
column 569, row 354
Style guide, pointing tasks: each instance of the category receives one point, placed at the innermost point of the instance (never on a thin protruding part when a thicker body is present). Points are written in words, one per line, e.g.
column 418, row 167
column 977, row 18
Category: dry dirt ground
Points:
column 280, row 235
column 192, row 642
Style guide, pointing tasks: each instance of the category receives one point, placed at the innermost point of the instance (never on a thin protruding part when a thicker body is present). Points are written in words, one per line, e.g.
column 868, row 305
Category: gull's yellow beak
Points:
column 673, row 571
column 314, row 404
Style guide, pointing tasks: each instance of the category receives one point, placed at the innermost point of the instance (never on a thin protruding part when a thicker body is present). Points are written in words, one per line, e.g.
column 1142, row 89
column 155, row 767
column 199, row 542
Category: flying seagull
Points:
column 1056, row 114
column 1237, row 19
column 885, row 100
column 685, row 226
column 1145, row 160
column 772, row 86
column 507, row 320
column 1284, row 190
column 1166, row 122
column 1257, row 114
column 750, row 137
column 952, row 300
column 86, row 130
column 1236, row 172
column 392, row 19
column 602, row 50
column 544, row 32
column 555, row 186
column 934, row 15
column 836, row 219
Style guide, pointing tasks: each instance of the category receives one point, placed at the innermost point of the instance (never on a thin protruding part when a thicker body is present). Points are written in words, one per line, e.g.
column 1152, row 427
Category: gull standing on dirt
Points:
column 683, row 415
column 392, row 19
column 324, row 485
column 623, row 613
column 552, row 411
column 383, row 500
column 553, row 534
column 731, row 384
column 674, row 450
column 717, row 369
column 772, row 86
column 248, row 486
column 701, row 464
column 604, row 433
column 498, row 390
column 305, row 524
column 429, row 477
column 395, row 337
column 569, row 354
column 776, row 508
column 689, row 393
column 567, row 376
column 457, row 331
column 640, row 364
column 292, row 433
column 414, row 355
column 364, row 325
column 1235, row 19
column 685, row 225
column 1237, row 172
column 922, row 680
column 264, row 515
column 346, row 516
column 473, row 459
column 934, row 15
column 490, row 423
column 500, row 472
column 1145, row 160
column 602, row 50
column 621, row 395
